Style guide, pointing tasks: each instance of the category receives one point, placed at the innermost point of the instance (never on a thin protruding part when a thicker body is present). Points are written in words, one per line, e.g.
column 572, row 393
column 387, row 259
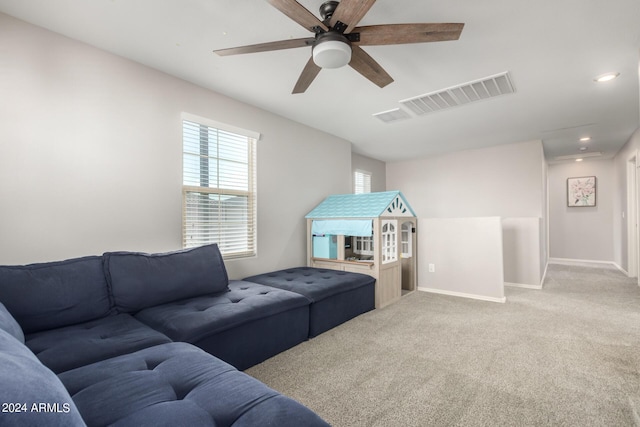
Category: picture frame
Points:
column 581, row 191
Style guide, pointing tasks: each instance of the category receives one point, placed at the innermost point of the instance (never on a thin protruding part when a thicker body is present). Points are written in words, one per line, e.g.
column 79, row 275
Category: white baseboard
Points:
column 462, row 294
column 544, row 274
column 527, row 286
column 523, row 285
column 584, row 263
column 626, row 273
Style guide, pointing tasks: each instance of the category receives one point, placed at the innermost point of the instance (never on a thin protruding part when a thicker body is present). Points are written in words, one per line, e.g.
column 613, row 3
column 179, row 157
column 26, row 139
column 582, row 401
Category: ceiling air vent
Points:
column 392, row 115
column 488, row 87
column 579, row 156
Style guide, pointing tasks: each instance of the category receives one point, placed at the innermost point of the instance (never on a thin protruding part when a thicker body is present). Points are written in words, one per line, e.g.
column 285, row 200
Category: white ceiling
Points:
column 552, row 50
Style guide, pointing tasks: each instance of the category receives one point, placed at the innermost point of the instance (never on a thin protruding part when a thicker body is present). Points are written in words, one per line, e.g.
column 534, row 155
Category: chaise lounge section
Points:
column 166, row 385
column 178, row 384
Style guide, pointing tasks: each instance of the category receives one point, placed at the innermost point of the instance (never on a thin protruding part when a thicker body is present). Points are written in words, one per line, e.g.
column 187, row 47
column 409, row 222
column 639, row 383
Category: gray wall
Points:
column 522, row 239
column 505, row 181
column 620, row 252
column 91, row 156
column 620, row 240
column 581, row 233
column 377, row 169
column 466, row 255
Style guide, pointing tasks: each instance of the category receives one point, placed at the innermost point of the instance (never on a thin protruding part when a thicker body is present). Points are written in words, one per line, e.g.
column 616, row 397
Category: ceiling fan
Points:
column 337, row 39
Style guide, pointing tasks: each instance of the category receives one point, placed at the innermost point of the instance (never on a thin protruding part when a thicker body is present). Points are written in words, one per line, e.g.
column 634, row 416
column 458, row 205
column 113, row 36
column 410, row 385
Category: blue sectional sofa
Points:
column 134, row 339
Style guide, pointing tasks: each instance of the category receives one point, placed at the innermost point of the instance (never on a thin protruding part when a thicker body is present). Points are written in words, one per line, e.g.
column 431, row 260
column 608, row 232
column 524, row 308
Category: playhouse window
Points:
column 363, row 245
column 389, row 241
column 405, row 239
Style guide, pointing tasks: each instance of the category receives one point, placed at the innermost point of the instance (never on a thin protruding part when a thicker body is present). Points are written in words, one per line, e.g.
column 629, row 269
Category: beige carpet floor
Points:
column 566, row 355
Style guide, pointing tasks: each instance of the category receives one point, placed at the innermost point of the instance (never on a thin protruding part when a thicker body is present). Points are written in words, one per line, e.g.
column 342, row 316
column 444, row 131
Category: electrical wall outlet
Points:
column 432, row 268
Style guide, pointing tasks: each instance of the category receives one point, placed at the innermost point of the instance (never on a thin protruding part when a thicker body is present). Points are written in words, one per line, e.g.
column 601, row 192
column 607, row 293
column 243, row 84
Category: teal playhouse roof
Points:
column 367, row 205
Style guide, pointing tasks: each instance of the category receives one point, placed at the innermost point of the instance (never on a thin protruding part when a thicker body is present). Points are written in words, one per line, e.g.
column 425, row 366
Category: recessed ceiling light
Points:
column 583, row 148
column 579, row 160
column 606, row 77
column 585, row 139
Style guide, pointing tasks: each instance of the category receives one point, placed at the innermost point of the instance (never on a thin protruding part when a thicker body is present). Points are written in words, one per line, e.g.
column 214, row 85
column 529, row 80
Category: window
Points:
column 361, row 182
column 219, row 187
column 389, row 241
column 363, row 245
column 405, row 239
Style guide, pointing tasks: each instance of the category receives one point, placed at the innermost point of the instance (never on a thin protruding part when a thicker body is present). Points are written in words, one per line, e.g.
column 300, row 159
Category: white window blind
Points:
column 219, row 188
column 361, row 182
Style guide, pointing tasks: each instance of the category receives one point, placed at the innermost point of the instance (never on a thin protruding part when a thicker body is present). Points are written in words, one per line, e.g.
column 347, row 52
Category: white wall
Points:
column 620, row 240
column 91, row 156
column 620, row 208
column 466, row 254
column 521, row 241
column 581, row 233
column 377, row 169
column 506, row 181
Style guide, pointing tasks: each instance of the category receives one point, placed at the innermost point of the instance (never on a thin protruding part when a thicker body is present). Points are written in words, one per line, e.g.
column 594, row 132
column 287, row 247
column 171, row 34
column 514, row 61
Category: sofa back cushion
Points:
column 10, row 325
column 50, row 295
column 140, row 280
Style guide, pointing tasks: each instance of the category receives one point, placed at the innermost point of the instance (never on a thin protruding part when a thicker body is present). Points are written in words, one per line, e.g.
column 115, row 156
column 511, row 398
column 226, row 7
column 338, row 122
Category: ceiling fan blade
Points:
column 309, row 73
column 350, row 12
column 368, row 67
column 407, row 33
column 298, row 13
column 265, row 47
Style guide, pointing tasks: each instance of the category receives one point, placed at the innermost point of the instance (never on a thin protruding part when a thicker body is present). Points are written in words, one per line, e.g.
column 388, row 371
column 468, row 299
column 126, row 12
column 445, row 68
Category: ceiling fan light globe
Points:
column 331, row 54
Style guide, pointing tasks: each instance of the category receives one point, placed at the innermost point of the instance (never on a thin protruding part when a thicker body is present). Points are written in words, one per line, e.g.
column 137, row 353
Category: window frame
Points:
column 406, row 239
column 389, row 237
column 366, row 181
column 250, row 193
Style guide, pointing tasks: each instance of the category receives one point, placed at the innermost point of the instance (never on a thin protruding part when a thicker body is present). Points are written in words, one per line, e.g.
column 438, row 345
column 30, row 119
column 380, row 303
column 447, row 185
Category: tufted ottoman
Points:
column 177, row 384
column 335, row 296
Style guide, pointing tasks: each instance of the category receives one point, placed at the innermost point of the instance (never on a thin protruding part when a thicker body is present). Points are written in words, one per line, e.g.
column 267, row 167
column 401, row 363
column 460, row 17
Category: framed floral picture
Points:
column 581, row 191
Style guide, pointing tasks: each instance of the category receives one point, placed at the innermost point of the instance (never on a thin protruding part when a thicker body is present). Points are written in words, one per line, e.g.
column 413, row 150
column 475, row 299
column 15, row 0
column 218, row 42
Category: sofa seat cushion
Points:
column 336, row 296
column 140, row 280
column 26, row 382
column 55, row 294
column 72, row 346
column 178, row 384
column 193, row 319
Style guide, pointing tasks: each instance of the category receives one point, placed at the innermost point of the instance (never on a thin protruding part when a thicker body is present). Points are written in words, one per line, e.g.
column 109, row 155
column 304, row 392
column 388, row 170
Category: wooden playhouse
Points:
column 371, row 233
